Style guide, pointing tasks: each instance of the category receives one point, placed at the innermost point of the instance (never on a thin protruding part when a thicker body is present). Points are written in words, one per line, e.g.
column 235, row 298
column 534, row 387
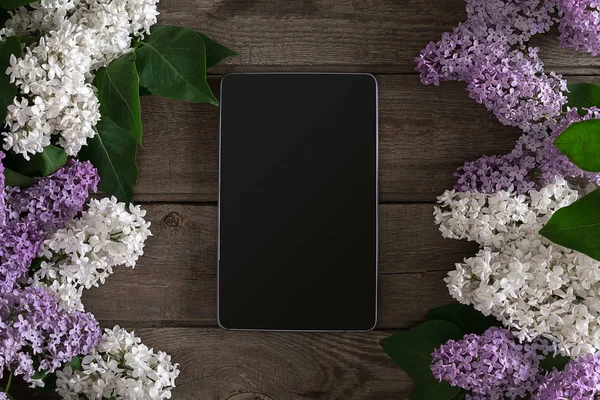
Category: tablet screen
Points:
column 298, row 202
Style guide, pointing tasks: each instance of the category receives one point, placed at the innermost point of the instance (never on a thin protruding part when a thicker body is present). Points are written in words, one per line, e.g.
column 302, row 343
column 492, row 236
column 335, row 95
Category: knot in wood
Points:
column 173, row 219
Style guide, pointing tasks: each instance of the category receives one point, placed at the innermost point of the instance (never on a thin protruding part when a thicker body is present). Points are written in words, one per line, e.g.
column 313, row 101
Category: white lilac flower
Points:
column 54, row 77
column 83, row 253
column 121, row 367
column 532, row 285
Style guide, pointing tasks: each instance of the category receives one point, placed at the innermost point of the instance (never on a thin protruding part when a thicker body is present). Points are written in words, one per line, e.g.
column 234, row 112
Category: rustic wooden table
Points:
column 426, row 132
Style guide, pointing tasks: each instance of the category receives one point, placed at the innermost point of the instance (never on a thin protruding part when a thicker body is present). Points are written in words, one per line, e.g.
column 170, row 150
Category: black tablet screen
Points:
column 298, row 202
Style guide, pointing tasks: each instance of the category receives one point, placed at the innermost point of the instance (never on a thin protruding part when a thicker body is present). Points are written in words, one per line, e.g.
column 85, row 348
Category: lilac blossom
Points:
column 1, row 190
column 31, row 212
column 53, row 200
column 34, row 329
column 490, row 54
column 534, row 163
column 579, row 380
column 492, row 365
column 579, row 25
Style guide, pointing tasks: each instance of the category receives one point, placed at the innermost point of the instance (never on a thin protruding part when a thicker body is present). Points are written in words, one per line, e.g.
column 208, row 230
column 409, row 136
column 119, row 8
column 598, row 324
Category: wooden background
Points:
column 425, row 133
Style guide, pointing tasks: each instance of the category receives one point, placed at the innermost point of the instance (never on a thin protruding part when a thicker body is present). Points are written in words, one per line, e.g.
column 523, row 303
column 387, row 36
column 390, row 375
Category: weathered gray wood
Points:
column 426, row 132
column 216, row 364
column 373, row 36
column 224, row 365
column 174, row 283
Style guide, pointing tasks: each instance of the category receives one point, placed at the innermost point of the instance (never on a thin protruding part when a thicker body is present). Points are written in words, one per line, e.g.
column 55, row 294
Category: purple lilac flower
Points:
column 534, row 163
column 488, row 52
column 34, row 327
column 492, row 365
column 3, row 396
column 55, row 199
column 580, row 380
column 31, row 212
column 1, row 191
column 579, row 25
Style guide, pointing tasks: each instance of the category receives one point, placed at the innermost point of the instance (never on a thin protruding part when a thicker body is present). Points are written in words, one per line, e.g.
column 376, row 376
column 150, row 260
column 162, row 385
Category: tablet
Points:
column 298, row 202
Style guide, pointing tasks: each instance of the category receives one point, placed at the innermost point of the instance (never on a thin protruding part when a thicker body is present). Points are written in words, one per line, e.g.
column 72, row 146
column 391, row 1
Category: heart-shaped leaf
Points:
column 412, row 350
column 112, row 151
column 12, row 178
column 118, row 92
column 583, row 95
column 577, row 226
column 581, row 143
column 215, row 52
column 171, row 62
column 465, row 317
column 40, row 164
column 8, row 90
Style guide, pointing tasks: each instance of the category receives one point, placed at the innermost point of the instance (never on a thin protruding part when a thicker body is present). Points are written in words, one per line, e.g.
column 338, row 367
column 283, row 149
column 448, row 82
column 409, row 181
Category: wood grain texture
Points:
column 372, row 35
column 217, row 364
column 174, row 283
column 425, row 133
column 225, row 365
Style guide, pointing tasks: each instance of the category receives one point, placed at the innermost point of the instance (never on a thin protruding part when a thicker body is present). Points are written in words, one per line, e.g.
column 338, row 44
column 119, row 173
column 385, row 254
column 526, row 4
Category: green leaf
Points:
column 112, row 151
column 29, row 40
column 8, row 90
column 581, row 143
column 75, row 363
column 144, row 92
column 583, row 95
column 577, row 226
column 466, row 318
column 118, row 92
column 171, row 62
column 10, row 4
column 40, row 164
column 551, row 361
column 215, row 52
column 50, row 378
column 49, row 385
column 35, row 265
column 39, row 375
column 12, row 178
column 412, row 349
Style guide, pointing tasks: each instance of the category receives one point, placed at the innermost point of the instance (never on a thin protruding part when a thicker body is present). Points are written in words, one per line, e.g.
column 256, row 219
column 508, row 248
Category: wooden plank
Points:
column 372, row 36
column 224, row 365
column 426, row 132
column 174, row 283
column 216, row 364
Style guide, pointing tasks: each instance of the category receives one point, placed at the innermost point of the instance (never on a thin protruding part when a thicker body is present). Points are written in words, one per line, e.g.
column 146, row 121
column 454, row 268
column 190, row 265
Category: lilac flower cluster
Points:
column 35, row 333
column 579, row 25
column 579, row 380
column 489, row 53
column 55, row 199
column 492, row 365
column 35, row 330
column 31, row 212
column 534, row 163
column 2, row 201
